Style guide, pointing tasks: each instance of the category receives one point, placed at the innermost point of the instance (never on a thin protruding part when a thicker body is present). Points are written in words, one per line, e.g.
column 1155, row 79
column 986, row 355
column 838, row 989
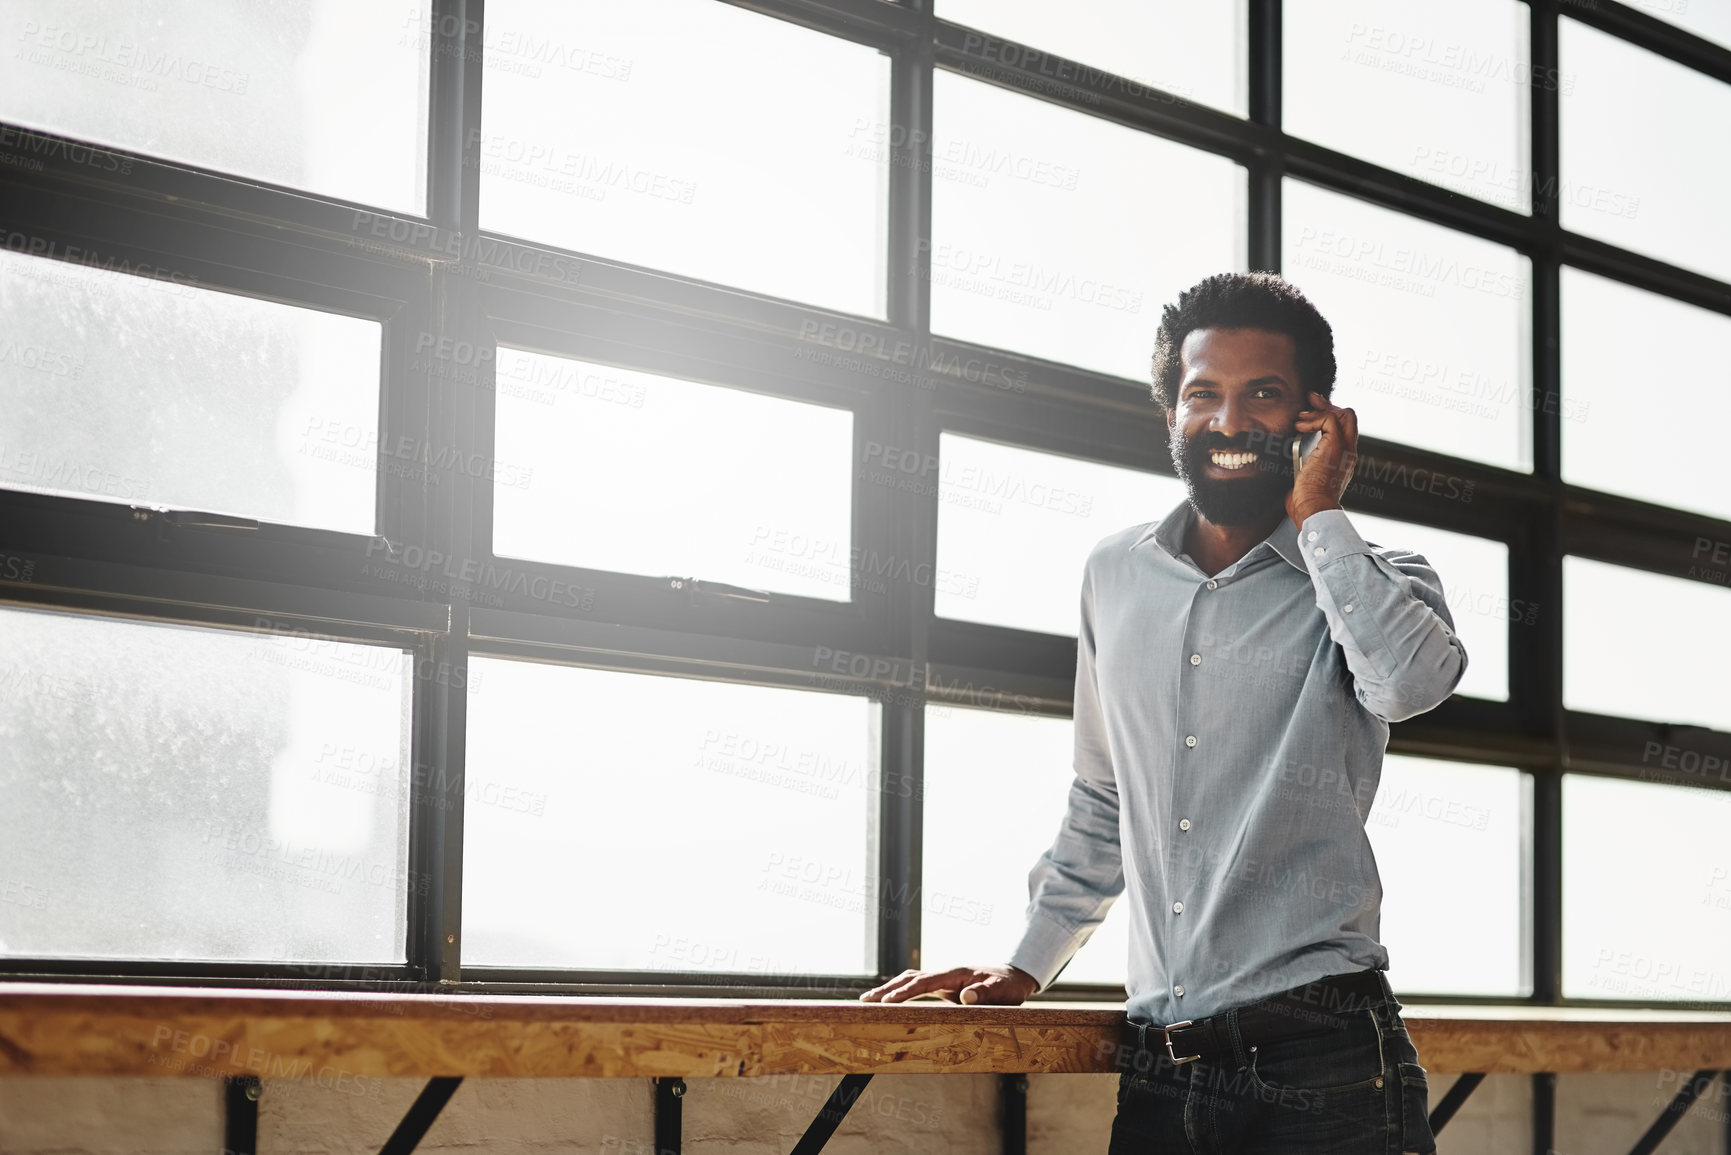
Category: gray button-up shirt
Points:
column 1229, row 738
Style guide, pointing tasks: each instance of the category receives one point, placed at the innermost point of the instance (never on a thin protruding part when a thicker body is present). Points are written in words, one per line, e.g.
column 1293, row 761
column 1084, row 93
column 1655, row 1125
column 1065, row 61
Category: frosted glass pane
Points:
column 1646, row 891
column 1440, row 92
column 1614, row 334
column 322, row 95
column 669, row 824
column 1475, row 577
column 694, row 137
column 980, row 884
column 1196, row 51
column 1432, row 329
column 155, row 392
column 1015, row 527
column 1637, row 170
column 1464, row 930
column 1062, row 235
column 1641, row 645
column 1707, row 19
column 181, row 793
column 629, row 471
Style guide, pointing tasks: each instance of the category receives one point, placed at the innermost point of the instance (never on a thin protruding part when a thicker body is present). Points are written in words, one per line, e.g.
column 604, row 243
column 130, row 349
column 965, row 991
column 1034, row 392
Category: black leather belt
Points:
column 1315, row 1008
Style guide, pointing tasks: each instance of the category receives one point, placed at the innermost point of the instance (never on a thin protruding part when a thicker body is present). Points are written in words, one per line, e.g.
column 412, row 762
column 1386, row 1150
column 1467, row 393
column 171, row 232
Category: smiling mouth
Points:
column 1233, row 462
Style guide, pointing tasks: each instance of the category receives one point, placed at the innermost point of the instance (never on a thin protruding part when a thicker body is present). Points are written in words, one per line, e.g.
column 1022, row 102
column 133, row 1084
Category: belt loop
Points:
column 1141, row 1037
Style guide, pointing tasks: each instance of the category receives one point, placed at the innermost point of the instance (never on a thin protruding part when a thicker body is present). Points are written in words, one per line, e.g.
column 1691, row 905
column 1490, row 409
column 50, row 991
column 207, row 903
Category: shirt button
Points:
column 1177, row 908
column 1348, row 607
column 1311, row 536
column 1178, row 990
column 1190, row 739
column 1212, row 584
column 1195, row 659
column 1318, row 551
column 1184, row 824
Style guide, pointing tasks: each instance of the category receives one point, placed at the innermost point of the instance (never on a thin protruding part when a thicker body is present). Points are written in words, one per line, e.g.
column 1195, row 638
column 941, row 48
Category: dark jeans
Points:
column 1358, row 1090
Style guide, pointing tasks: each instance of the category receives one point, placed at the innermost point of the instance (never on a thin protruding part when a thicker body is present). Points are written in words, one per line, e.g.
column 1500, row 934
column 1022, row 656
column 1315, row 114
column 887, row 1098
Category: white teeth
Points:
column 1232, row 460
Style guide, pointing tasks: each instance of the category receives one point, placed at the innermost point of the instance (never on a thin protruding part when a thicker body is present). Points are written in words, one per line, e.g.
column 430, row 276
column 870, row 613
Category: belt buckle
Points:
column 1167, row 1031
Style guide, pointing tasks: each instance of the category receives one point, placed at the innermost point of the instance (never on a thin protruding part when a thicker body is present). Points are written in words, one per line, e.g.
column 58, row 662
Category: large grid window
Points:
column 611, row 513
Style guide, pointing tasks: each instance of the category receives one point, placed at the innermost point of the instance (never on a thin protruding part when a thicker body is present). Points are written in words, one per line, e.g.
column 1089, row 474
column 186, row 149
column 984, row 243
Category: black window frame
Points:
column 440, row 279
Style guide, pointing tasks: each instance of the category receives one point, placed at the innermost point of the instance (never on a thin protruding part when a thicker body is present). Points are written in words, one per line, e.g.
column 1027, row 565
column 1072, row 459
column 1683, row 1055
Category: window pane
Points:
column 1641, row 645
column 620, row 470
column 1015, row 527
column 1613, row 336
column 1061, row 235
column 979, row 885
column 181, row 793
column 264, row 91
column 1196, row 51
column 1646, row 893
column 156, row 392
column 1463, row 931
column 1636, row 168
column 1707, row 20
column 1432, row 328
column 662, row 132
column 1475, row 577
column 1439, row 92
column 665, row 823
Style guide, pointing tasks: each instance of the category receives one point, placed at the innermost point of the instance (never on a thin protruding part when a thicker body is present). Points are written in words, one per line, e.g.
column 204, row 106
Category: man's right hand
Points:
column 1004, row 986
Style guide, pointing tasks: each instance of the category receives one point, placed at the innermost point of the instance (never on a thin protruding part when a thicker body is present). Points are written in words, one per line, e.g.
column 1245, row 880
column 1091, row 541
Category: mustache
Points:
column 1268, row 444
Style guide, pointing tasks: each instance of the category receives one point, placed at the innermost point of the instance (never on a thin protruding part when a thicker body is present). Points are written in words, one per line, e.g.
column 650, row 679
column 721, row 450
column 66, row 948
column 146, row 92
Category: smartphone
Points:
column 1302, row 447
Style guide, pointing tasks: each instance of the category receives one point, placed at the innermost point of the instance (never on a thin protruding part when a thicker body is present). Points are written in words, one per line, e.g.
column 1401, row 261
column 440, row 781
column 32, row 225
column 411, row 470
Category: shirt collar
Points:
column 1169, row 532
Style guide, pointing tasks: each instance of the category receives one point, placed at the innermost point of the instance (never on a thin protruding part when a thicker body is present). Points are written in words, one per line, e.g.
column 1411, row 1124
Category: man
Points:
column 1238, row 665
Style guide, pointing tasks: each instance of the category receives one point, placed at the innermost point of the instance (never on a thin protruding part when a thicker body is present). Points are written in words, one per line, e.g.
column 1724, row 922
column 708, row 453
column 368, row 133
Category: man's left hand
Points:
column 1328, row 470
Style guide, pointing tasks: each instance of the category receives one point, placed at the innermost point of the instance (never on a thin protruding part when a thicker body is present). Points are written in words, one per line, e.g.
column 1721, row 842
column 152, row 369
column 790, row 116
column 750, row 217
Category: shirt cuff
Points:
column 1328, row 535
column 1044, row 949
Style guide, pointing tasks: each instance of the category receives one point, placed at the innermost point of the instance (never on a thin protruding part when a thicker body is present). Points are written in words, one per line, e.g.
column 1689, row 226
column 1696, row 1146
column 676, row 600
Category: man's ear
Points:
column 1171, row 419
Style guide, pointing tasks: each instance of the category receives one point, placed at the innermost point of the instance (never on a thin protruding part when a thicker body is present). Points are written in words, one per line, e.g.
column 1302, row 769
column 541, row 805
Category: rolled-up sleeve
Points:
column 1075, row 882
column 1387, row 611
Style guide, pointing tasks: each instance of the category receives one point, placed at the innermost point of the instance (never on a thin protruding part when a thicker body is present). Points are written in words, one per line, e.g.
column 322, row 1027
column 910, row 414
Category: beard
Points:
column 1259, row 488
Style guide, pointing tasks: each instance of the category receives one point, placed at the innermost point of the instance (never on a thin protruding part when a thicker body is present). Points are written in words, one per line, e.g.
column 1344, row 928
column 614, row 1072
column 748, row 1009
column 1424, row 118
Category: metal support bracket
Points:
column 422, row 1112
column 669, row 1115
column 1674, row 1110
column 1014, row 1092
column 831, row 1114
column 240, row 1114
column 1451, row 1102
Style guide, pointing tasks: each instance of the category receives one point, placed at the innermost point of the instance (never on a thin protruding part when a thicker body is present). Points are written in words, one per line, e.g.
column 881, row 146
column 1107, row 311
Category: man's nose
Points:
column 1230, row 419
